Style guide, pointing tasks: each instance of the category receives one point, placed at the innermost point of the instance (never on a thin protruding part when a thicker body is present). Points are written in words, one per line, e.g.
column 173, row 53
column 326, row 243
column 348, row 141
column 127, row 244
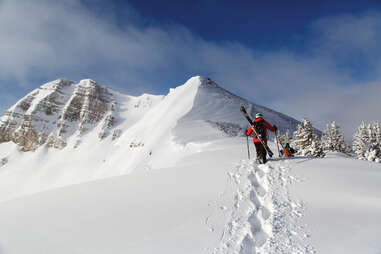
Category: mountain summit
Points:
column 84, row 131
column 62, row 110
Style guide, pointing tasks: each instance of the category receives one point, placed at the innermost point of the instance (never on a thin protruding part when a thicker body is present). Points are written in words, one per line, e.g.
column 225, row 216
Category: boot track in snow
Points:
column 264, row 219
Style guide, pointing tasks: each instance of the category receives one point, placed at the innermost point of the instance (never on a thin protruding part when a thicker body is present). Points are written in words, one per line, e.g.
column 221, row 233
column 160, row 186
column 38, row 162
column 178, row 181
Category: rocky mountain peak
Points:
column 55, row 111
column 61, row 112
column 56, row 84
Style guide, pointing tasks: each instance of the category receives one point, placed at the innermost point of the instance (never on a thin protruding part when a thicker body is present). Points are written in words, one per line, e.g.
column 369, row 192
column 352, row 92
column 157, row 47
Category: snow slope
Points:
column 154, row 132
column 177, row 180
column 342, row 197
column 171, row 210
column 195, row 207
column 214, row 201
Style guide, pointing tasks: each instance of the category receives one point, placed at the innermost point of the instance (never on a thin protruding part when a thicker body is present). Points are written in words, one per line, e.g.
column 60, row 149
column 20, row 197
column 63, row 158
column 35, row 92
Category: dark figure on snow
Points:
column 288, row 151
column 261, row 127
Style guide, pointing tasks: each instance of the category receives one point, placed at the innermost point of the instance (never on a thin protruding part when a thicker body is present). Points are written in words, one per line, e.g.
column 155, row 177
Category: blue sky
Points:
column 319, row 59
column 256, row 24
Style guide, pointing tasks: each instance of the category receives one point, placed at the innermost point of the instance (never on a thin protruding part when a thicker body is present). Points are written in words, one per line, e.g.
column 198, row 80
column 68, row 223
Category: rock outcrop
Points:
column 56, row 111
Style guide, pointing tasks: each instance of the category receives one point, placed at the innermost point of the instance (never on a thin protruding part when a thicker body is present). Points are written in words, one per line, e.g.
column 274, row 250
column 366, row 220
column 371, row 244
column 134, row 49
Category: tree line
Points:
column 366, row 141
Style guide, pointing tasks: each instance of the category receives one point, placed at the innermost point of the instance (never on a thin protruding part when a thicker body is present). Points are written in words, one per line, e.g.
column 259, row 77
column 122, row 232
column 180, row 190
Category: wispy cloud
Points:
column 335, row 77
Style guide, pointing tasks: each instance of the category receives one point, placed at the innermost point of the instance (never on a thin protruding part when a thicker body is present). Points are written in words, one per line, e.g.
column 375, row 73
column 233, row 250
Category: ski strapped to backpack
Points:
column 244, row 113
column 259, row 129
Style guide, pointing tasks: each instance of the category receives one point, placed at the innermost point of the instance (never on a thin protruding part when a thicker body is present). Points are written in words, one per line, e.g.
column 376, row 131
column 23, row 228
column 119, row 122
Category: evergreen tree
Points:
column 360, row 141
column 374, row 153
column 306, row 142
column 366, row 142
column 316, row 148
column 377, row 132
column 333, row 139
column 298, row 139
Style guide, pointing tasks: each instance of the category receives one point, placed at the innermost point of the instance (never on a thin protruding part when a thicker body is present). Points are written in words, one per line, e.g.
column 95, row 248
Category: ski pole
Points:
column 248, row 150
column 277, row 143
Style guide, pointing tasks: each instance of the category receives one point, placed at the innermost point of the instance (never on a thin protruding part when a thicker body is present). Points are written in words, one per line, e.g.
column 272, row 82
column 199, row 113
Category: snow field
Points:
column 170, row 210
column 247, row 229
column 342, row 198
column 213, row 201
column 264, row 218
column 289, row 234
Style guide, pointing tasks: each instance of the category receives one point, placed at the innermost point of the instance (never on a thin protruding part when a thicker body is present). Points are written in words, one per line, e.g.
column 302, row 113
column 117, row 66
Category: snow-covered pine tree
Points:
column 316, row 148
column 377, row 133
column 333, row 139
column 374, row 133
column 374, row 153
column 366, row 142
column 305, row 142
column 361, row 141
column 298, row 140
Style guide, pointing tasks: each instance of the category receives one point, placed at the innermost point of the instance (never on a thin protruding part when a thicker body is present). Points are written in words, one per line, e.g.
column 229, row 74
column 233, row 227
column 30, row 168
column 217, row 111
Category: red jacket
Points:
column 266, row 125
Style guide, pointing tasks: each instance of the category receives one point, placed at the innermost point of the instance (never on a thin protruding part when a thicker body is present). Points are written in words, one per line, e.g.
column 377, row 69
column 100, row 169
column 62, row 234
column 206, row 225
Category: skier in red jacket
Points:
column 260, row 126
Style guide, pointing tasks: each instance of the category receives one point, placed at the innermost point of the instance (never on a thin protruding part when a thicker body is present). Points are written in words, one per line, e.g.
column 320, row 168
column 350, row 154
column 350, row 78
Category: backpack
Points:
column 260, row 129
column 288, row 150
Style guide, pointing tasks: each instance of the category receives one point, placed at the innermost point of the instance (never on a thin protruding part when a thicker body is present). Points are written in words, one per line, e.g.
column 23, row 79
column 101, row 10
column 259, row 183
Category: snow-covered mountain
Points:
column 62, row 110
column 85, row 169
column 88, row 124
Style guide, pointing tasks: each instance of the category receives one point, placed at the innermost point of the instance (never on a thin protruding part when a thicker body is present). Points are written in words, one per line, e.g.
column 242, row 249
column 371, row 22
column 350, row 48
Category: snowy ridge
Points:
column 220, row 109
column 62, row 110
column 152, row 134
column 142, row 140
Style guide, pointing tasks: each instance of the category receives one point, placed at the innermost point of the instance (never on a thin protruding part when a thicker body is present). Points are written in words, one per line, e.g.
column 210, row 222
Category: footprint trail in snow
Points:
column 264, row 218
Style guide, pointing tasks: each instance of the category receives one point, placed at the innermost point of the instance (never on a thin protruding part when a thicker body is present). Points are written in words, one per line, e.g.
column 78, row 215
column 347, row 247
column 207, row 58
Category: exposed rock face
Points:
column 56, row 111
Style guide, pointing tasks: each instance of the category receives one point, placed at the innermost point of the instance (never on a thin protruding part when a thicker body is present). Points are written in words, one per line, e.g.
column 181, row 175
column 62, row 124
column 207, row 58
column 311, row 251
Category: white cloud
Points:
column 360, row 33
column 49, row 39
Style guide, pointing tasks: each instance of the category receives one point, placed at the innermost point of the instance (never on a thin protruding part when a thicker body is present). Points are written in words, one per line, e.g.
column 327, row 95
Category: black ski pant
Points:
column 261, row 152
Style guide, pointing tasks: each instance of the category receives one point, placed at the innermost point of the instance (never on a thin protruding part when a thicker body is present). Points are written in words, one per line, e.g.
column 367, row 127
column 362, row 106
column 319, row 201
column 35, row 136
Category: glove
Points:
column 275, row 128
